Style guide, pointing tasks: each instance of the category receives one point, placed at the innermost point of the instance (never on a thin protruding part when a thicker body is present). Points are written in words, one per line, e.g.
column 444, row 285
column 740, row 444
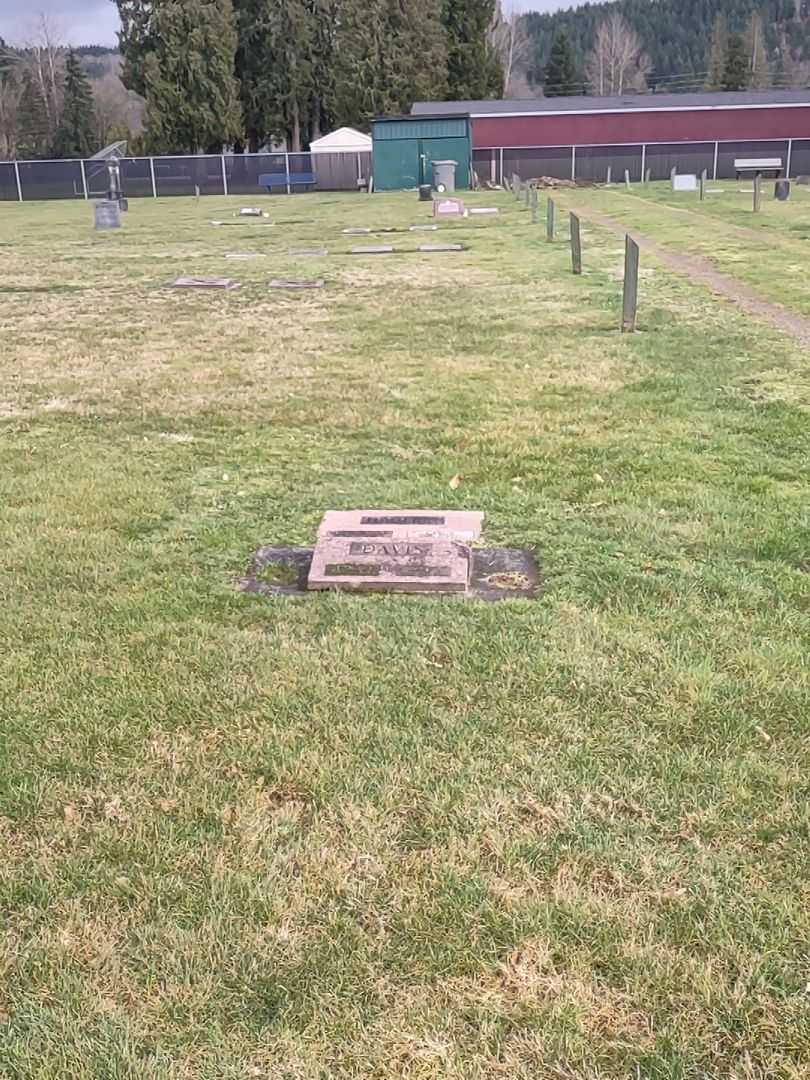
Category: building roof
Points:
column 627, row 103
column 345, row 139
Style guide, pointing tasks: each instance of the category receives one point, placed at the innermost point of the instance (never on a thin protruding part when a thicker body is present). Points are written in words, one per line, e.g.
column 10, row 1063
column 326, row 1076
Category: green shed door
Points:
column 446, row 150
column 396, row 164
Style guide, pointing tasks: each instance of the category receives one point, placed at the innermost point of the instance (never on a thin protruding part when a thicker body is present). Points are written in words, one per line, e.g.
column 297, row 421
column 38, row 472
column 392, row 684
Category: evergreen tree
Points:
column 560, row 74
column 187, row 49
column 388, row 55
column 32, row 121
column 717, row 53
column 75, row 134
column 736, row 73
column 473, row 69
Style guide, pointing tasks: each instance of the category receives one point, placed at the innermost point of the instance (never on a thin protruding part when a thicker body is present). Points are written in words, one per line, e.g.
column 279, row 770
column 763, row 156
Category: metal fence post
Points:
column 501, row 166
column 287, row 169
column 716, row 156
column 757, row 192
column 789, row 159
column 224, row 176
column 84, row 177
column 643, row 162
column 17, row 178
column 573, row 163
column 152, row 174
column 550, row 221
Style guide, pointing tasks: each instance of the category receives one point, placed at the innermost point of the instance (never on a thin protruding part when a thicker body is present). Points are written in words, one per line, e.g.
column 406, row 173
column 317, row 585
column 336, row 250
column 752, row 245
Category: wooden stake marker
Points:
column 550, row 221
column 630, row 295
column 576, row 244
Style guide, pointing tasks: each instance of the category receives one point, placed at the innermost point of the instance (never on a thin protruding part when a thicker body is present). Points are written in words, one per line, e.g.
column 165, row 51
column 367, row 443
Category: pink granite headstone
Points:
column 449, row 524
column 448, row 208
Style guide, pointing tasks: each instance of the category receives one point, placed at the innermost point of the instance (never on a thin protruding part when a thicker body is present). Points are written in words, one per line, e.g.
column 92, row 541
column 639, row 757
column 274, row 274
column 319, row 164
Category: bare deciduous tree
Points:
column 119, row 112
column 46, row 53
column 617, row 62
column 512, row 45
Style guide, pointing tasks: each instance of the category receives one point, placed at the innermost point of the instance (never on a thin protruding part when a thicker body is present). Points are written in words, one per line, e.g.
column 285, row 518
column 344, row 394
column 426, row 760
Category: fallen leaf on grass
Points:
column 455, row 481
column 763, row 734
column 70, row 813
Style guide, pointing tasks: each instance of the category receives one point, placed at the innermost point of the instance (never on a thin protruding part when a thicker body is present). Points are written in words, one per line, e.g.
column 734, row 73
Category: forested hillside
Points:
column 675, row 37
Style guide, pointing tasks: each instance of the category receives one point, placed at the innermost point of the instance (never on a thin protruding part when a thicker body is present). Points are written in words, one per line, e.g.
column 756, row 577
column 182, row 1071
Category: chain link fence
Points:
column 493, row 163
column 210, row 174
column 240, row 174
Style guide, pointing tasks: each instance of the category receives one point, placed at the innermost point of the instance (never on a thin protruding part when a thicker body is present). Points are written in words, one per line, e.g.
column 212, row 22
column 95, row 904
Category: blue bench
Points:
column 281, row 179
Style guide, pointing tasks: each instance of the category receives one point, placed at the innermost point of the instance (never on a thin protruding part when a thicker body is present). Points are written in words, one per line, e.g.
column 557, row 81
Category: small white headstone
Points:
column 685, row 182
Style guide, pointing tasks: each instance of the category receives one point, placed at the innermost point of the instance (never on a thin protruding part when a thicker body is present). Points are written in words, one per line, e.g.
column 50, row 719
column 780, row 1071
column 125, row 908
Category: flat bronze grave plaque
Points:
column 435, row 565
column 450, row 524
column 205, row 283
column 292, row 283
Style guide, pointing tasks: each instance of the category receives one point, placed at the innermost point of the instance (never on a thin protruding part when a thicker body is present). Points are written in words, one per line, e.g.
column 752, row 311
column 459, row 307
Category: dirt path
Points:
column 699, row 269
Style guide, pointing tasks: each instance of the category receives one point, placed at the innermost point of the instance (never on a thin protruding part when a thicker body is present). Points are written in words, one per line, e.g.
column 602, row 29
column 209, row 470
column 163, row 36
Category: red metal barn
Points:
column 581, row 136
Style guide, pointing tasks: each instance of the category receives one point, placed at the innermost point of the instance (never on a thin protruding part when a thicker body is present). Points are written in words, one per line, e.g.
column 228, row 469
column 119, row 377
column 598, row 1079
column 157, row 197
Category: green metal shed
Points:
column 405, row 147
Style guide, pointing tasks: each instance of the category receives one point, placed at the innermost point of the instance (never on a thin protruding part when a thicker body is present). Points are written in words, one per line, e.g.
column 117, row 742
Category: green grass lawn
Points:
column 768, row 251
column 391, row 837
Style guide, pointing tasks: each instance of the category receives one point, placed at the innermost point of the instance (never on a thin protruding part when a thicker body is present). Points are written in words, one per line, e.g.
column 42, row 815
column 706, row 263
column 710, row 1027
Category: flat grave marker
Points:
column 204, row 283
column 398, row 564
column 251, row 211
column 356, row 232
column 423, row 228
column 296, row 283
column 372, row 249
column 440, row 247
column 244, row 255
column 307, row 252
column 453, row 524
column 484, row 210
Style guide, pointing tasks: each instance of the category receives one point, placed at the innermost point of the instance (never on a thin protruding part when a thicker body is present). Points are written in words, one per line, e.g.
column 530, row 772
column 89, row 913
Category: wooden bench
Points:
column 282, row 179
column 757, row 166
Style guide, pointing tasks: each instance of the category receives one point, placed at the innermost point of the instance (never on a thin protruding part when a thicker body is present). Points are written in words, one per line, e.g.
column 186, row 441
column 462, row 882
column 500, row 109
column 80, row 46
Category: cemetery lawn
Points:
column 767, row 251
column 381, row 837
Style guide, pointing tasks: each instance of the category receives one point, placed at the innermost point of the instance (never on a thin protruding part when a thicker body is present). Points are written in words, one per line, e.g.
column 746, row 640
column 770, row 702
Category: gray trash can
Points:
column 444, row 176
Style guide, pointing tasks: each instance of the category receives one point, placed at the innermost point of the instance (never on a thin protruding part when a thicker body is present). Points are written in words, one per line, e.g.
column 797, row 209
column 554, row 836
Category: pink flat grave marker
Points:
column 434, row 565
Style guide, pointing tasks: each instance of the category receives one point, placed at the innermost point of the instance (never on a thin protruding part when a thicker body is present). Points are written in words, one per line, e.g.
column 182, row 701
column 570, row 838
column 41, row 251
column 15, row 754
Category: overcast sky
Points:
column 94, row 22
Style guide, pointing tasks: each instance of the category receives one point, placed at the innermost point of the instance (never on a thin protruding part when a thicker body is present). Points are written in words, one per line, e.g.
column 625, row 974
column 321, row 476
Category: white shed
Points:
column 345, row 140
column 341, row 160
